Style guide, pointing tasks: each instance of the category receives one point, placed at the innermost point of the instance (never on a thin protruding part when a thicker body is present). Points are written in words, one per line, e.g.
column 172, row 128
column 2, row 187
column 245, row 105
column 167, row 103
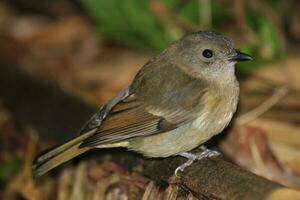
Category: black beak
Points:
column 240, row 57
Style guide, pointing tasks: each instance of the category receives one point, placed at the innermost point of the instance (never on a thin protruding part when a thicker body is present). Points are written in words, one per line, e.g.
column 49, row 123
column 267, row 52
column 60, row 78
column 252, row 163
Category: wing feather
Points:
column 123, row 124
column 134, row 113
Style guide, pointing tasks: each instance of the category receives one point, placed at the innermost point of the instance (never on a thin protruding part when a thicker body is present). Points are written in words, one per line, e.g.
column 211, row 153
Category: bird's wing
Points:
column 148, row 106
column 96, row 120
column 130, row 118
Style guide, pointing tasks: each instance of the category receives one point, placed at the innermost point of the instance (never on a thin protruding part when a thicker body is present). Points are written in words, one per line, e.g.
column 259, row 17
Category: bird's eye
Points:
column 207, row 53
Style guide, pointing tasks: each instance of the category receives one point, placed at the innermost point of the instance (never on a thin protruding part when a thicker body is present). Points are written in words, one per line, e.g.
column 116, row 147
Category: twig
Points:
column 171, row 18
column 264, row 107
column 239, row 11
column 29, row 153
column 205, row 17
column 289, row 78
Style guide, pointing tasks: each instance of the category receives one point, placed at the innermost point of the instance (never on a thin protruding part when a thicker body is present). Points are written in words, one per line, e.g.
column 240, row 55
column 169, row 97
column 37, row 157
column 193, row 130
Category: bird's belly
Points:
column 182, row 139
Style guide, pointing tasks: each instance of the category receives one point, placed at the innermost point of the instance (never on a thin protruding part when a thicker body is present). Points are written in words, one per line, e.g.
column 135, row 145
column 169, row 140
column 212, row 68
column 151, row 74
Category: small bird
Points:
column 177, row 101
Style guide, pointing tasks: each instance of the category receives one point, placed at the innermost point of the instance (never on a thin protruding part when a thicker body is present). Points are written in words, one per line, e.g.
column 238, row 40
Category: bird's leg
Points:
column 197, row 156
column 191, row 157
column 207, row 152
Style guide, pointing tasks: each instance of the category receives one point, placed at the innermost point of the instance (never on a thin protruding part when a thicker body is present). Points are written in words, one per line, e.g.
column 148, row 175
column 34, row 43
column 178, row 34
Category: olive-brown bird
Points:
column 176, row 102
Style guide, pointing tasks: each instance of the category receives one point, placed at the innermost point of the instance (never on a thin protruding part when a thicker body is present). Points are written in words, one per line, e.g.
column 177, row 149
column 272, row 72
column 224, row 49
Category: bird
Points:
column 178, row 100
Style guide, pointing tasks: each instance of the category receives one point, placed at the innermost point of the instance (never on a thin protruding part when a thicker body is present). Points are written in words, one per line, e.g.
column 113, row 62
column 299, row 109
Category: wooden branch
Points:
column 210, row 178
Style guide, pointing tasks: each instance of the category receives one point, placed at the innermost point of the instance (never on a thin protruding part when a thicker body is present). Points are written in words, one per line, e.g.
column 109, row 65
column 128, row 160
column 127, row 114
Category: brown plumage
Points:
column 177, row 101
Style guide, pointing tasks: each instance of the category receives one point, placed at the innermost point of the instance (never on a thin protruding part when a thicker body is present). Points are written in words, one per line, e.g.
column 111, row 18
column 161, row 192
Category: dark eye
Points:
column 207, row 53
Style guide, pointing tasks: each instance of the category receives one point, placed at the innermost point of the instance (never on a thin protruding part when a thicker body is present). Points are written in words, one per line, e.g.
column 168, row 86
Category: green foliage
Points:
column 267, row 49
column 8, row 169
column 268, row 35
column 129, row 22
column 190, row 11
column 133, row 23
column 220, row 13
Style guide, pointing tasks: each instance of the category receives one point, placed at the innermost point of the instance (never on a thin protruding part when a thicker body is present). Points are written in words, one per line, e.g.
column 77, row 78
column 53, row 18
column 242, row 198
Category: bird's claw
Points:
column 208, row 153
column 180, row 168
column 198, row 156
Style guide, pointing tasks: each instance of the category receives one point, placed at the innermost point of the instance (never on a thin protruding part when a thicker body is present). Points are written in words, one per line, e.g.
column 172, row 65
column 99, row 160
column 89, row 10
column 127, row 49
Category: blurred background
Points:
column 60, row 60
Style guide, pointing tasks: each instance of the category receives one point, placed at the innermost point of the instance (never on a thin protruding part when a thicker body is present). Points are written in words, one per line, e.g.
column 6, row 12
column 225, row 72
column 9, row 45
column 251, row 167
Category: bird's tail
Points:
column 58, row 155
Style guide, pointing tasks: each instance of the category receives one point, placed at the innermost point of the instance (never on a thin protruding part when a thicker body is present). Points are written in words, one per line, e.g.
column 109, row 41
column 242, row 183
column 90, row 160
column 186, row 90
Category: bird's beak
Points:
column 239, row 56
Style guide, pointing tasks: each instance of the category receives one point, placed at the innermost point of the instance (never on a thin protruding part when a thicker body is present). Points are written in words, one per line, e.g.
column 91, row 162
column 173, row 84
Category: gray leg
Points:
column 206, row 153
column 190, row 157
column 197, row 156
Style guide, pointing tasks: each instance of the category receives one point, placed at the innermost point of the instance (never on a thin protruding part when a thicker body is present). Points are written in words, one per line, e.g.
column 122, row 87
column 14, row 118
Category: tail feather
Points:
column 54, row 157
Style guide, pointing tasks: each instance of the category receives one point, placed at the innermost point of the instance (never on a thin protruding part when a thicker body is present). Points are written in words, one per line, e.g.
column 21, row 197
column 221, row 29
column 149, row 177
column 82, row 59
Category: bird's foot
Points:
column 197, row 156
column 207, row 153
column 191, row 157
